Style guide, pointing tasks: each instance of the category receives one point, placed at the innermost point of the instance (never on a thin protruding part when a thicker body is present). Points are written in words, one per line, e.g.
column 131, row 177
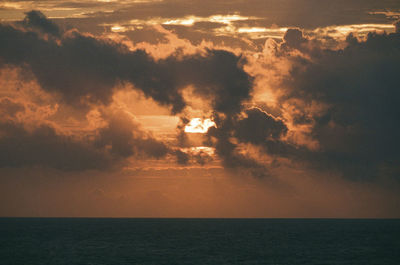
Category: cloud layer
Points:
column 345, row 101
column 242, row 109
column 84, row 71
column 357, row 129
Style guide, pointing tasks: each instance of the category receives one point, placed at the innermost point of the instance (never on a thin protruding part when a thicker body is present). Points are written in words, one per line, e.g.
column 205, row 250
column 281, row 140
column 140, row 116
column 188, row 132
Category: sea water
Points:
column 99, row 241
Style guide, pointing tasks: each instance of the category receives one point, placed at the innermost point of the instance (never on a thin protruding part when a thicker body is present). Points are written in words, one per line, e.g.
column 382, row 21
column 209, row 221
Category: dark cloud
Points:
column 182, row 158
column 202, row 158
column 104, row 148
column 258, row 127
column 254, row 127
column 192, row 157
column 358, row 131
column 293, row 38
column 220, row 137
column 43, row 146
column 262, row 129
column 181, row 137
column 397, row 25
column 219, row 77
column 37, row 20
column 26, row 143
column 125, row 139
column 84, row 70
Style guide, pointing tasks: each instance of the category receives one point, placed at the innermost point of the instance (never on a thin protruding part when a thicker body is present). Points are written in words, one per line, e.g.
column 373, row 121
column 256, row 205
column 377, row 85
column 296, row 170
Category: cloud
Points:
column 397, row 26
column 293, row 38
column 346, row 104
column 84, row 70
column 357, row 130
column 9, row 107
column 43, row 146
column 220, row 137
column 37, row 20
column 258, row 127
column 182, row 158
column 126, row 139
column 293, row 13
column 104, row 148
column 31, row 136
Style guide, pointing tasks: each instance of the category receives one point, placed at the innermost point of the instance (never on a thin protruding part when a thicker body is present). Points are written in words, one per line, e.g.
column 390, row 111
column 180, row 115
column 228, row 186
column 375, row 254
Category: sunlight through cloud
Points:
column 198, row 125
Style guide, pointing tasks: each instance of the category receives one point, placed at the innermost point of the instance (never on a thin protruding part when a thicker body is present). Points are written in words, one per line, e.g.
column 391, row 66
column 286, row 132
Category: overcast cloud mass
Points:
column 177, row 109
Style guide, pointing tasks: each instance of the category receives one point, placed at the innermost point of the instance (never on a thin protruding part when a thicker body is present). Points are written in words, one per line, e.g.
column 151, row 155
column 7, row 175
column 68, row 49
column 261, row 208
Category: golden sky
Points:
column 199, row 108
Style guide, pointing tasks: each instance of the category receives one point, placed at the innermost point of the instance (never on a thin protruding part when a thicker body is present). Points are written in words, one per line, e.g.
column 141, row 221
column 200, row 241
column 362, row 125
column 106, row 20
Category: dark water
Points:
column 199, row 241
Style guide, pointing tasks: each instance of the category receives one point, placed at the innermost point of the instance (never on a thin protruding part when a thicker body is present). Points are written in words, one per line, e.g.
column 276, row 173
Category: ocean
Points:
column 98, row 241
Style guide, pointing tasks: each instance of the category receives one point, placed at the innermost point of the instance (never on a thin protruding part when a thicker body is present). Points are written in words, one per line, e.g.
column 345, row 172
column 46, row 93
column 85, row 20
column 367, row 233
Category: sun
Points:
column 198, row 125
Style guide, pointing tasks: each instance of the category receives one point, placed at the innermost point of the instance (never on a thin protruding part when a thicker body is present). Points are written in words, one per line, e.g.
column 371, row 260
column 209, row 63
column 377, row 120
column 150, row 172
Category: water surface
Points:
column 199, row 241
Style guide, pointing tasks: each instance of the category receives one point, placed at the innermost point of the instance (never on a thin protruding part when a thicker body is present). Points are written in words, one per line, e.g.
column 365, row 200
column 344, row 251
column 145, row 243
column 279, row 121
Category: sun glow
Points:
column 199, row 149
column 198, row 125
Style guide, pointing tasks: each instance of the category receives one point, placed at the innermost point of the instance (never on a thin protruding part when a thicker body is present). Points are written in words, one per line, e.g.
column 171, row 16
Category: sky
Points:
column 189, row 108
